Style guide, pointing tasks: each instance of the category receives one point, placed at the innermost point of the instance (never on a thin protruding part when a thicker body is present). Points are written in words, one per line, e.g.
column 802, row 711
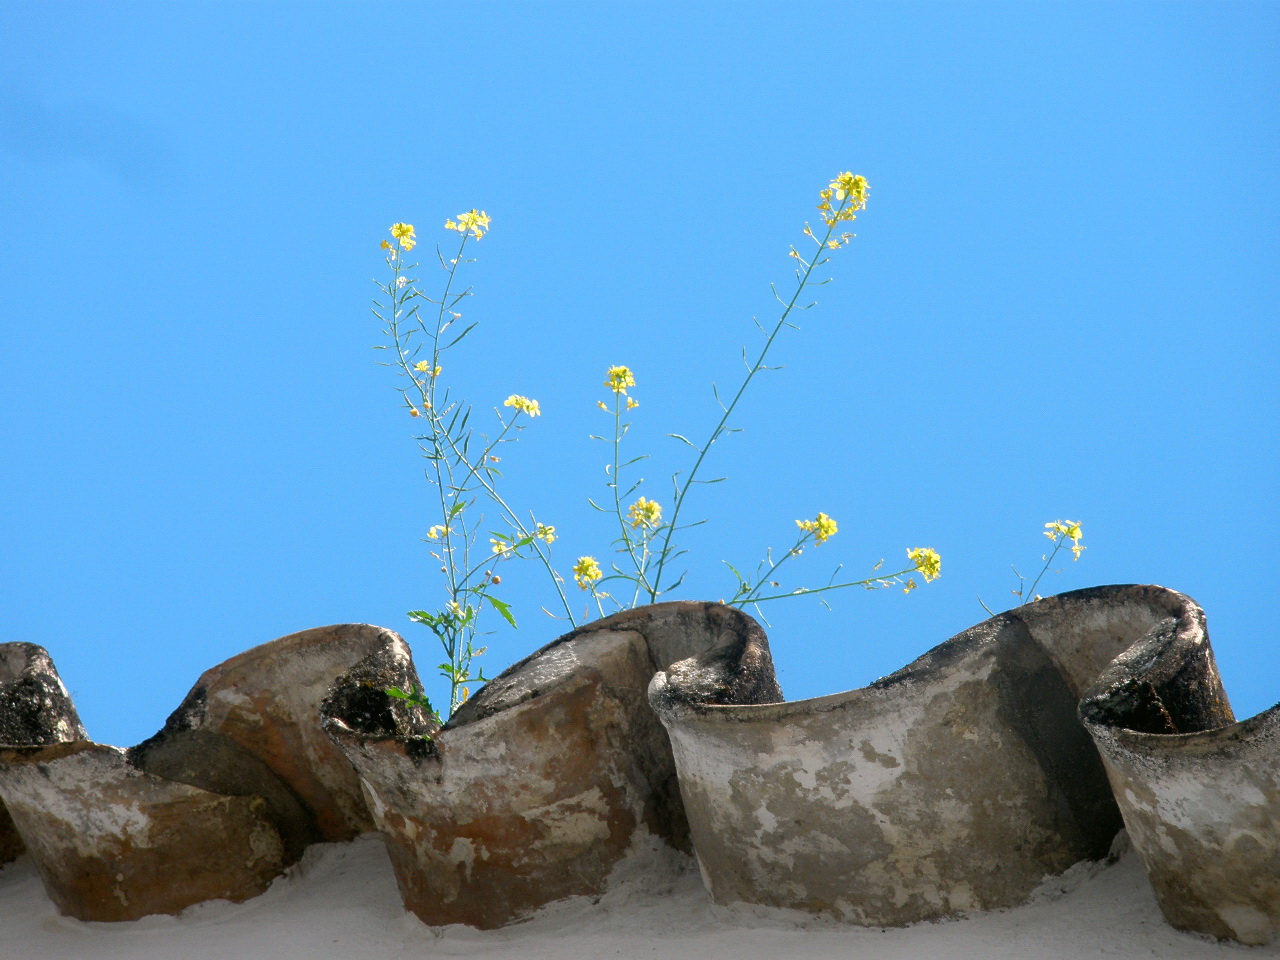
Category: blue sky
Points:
column 1062, row 303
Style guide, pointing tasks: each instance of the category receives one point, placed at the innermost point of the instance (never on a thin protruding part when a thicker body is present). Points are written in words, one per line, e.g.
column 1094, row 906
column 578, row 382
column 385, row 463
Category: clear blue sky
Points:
column 1062, row 303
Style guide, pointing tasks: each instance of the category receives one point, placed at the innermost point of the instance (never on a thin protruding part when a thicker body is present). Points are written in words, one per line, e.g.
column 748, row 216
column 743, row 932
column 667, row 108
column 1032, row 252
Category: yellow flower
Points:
column 822, row 527
column 847, row 185
column 403, row 232
column 927, row 562
column 386, row 244
column 475, row 222
column 499, row 547
column 645, row 513
column 414, row 411
column 632, row 404
column 910, row 585
column 422, row 366
column 1069, row 529
column 850, row 192
column 602, row 405
column 436, row 532
column 523, row 404
column 545, row 532
column 619, row 378
column 586, row 572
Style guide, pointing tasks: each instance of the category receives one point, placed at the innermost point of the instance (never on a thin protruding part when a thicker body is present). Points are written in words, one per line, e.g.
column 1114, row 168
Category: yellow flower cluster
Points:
column 500, row 547
column 523, row 405
column 403, row 232
column 586, row 572
column 1058, row 529
column 475, row 222
column 927, row 562
column 422, row 366
column 645, row 513
column 619, row 378
column 545, row 532
column 436, row 532
column 855, row 188
column 850, row 193
column 822, row 527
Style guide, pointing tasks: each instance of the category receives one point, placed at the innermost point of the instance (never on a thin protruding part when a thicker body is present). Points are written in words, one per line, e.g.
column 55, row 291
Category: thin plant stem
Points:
column 514, row 519
column 793, row 552
column 1057, row 545
column 617, row 493
column 817, row 261
column 805, row 591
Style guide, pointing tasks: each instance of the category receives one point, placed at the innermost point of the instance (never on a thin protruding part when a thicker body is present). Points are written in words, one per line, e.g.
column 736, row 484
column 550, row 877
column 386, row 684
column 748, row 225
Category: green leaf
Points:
column 459, row 337
column 457, row 509
column 503, row 608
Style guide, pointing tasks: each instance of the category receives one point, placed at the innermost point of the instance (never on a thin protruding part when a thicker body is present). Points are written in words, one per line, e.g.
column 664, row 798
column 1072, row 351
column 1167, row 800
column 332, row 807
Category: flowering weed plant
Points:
column 1059, row 533
column 462, row 463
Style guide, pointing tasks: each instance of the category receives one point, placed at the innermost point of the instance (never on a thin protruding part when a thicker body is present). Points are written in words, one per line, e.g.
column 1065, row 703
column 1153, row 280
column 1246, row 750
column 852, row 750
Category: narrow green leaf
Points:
column 460, row 336
column 503, row 608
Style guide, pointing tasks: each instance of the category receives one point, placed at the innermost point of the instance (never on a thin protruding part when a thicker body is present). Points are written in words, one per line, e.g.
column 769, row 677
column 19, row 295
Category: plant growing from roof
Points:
column 646, row 543
column 1058, row 532
column 461, row 464
column 422, row 329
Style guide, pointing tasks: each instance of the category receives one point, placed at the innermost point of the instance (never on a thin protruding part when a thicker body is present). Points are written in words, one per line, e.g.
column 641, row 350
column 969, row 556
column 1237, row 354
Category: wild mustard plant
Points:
column 1058, row 532
column 647, row 542
column 461, row 463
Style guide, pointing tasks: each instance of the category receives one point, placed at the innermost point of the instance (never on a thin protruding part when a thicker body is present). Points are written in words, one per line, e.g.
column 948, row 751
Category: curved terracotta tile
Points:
column 964, row 779
column 1200, row 793
column 112, row 842
column 540, row 784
